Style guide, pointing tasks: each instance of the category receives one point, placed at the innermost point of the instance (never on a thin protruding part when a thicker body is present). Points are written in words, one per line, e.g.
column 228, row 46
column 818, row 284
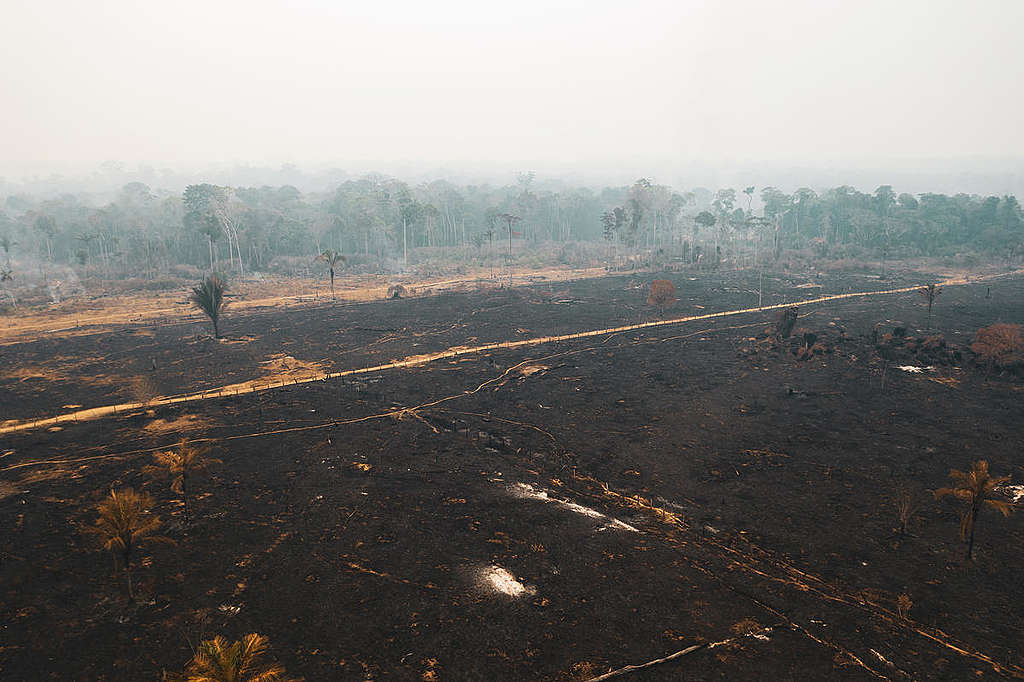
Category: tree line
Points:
column 377, row 219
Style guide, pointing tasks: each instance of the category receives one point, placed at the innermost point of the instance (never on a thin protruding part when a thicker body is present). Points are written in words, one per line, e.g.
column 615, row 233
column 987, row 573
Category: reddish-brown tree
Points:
column 662, row 294
column 999, row 345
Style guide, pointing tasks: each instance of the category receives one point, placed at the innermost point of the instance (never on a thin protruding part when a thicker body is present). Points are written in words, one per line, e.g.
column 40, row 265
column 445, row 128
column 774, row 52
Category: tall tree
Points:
column 510, row 220
column 929, row 294
column 200, row 215
column 410, row 212
column 332, row 258
column 749, row 191
column 6, row 243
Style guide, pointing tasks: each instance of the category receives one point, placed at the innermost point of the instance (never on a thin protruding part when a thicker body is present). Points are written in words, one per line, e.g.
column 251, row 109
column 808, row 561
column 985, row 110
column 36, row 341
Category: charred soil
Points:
column 551, row 512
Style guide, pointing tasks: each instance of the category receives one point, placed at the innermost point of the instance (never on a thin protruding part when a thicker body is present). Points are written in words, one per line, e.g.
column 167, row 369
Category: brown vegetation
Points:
column 181, row 464
column 662, row 294
column 217, row 660
column 903, row 606
column 975, row 487
column 126, row 521
column 999, row 346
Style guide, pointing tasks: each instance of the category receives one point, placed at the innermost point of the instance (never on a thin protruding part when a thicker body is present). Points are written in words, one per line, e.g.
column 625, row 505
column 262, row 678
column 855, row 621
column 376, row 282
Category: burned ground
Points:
column 644, row 492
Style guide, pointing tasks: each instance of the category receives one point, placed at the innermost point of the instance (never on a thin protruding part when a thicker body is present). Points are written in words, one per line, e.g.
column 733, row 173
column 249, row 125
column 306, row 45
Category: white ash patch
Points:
column 911, row 369
column 1014, row 492
column 528, row 492
column 500, row 580
column 580, row 509
column 615, row 524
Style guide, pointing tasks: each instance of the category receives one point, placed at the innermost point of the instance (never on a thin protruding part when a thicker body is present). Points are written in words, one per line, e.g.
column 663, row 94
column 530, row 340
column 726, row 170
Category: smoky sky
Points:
column 565, row 83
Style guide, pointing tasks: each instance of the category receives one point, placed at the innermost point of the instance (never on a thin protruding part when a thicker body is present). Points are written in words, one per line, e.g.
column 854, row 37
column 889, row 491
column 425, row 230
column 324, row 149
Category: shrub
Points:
column 662, row 294
column 999, row 346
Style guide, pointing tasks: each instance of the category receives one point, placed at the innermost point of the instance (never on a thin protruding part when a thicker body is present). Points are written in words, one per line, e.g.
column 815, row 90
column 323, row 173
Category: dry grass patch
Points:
column 188, row 422
column 7, row 489
column 280, row 364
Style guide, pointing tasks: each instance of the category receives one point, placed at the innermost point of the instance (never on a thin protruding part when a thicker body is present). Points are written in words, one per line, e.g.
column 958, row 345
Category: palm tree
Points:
column 217, row 660
column 209, row 297
column 126, row 521
column 929, row 293
column 332, row 258
column 974, row 487
column 181, row 464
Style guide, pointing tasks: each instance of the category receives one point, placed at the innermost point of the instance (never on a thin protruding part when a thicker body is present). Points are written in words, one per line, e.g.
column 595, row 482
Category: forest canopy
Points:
column 377, row 221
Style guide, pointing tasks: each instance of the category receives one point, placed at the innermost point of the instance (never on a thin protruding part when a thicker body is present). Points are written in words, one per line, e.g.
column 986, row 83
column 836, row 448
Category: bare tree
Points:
column 905, row 505
column 929, row 294
column 510, row 220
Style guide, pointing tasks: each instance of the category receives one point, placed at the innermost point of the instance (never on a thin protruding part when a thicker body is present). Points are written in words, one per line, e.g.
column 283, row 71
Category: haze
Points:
column 562, row 86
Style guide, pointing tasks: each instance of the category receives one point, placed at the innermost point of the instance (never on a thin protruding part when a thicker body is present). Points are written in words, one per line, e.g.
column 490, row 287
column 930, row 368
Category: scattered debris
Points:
column 802, row 343
column 925, row 351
